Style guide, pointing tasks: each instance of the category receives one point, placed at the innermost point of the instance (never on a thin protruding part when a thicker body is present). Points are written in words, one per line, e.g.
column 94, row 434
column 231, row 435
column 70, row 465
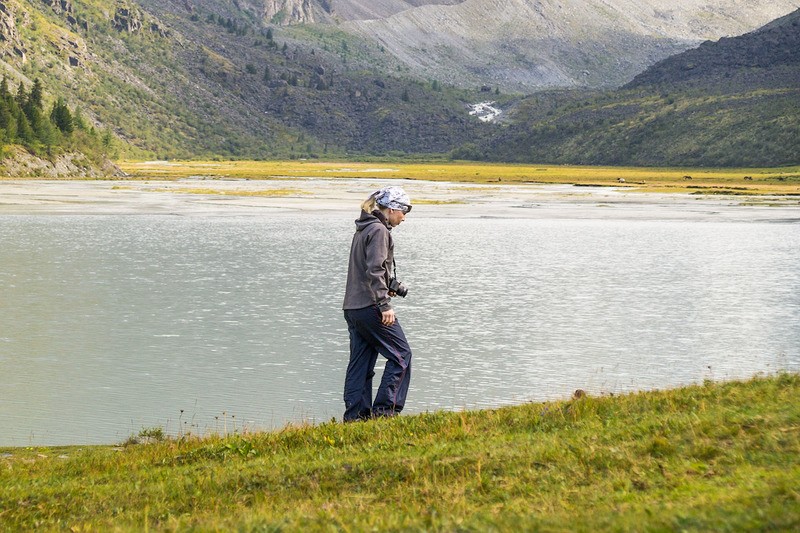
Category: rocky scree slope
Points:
column 525, row 45
column 285, row 12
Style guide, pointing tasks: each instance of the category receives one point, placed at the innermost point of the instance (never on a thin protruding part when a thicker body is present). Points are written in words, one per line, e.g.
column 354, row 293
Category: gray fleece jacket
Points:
column 371, row 263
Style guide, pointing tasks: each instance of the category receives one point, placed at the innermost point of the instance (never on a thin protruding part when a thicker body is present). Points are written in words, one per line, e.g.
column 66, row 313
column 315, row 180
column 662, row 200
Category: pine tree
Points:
column 24, row 131
column 78, row 121
column 61, row 117
column 21, row 96
column 35, row 96
column 47, row 133
column 7, row 123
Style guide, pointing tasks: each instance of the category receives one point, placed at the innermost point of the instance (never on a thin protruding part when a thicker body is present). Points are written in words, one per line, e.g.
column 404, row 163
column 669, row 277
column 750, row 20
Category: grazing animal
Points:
column 687, row 177
column 748, row 178
column 621, row 180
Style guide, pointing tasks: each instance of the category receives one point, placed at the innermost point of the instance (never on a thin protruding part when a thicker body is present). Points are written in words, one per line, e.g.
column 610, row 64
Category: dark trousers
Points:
column 368, row 338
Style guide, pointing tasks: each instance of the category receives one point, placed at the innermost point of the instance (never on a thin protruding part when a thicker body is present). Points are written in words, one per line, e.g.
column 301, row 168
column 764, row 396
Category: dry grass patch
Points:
column 754, row 181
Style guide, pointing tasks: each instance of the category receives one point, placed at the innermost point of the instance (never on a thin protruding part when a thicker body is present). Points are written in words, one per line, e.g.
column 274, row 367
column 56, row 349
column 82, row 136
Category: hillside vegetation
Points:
column 716, row 457
column 49, row 134
column 728, row 103
column 177, row 82
column 215, row 79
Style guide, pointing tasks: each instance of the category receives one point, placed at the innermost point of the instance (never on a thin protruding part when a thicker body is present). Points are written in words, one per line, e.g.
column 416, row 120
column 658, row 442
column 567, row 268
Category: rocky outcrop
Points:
column 131, row 20
column 10, row 42
column 60, row 6
column 283, row 12
column 127, row 19
column 74, row 48
column 64, row 8
column 288, row 11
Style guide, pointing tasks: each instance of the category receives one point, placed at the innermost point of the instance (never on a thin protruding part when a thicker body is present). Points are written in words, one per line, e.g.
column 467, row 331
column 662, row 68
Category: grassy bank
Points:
column 711, row 457
column 749, row 181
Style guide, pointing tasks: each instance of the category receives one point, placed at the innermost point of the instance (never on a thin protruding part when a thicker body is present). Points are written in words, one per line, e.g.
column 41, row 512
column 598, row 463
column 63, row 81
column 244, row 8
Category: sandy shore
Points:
column 232, row 197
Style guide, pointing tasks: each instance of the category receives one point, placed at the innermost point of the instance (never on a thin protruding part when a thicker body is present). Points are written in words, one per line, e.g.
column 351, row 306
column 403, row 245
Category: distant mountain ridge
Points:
column 774, row 48
column 523, row 45
column 734, row 102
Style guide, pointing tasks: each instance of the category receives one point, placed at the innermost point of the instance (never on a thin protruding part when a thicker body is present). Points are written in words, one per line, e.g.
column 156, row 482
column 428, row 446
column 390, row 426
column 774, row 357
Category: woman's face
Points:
column 395, row 217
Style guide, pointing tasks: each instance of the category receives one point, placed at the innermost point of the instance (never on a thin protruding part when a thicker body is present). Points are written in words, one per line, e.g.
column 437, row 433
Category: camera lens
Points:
column 401, row 290
column 398, row 288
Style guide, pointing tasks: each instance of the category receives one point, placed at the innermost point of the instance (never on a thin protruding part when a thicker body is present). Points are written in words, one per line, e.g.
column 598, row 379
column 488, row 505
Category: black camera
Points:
column 398, row 288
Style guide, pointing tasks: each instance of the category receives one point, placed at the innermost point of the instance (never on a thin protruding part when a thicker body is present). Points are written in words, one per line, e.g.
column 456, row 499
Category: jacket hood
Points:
column 366, row 219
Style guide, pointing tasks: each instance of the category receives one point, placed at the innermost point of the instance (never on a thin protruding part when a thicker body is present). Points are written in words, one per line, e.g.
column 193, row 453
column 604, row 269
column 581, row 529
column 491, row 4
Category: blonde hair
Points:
column 369, row 204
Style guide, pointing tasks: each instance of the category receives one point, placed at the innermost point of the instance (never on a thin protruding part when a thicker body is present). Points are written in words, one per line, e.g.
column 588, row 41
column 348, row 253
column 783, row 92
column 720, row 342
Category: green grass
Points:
column 718, row 456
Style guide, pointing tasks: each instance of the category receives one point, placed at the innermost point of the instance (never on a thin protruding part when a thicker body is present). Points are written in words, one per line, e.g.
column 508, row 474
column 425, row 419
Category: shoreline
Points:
column 7, row 451
column 218, row 196
column 702, row 457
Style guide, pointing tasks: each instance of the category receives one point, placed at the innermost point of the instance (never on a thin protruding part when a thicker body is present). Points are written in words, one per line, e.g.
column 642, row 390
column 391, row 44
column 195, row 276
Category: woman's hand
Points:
column 387, row 317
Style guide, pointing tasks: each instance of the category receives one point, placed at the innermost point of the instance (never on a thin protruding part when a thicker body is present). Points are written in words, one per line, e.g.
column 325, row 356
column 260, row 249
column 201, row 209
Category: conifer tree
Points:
column 8, row 124
column 21, row 96
column 77, row 119
column 61, row 117
column 24, row 131
column 36, row 94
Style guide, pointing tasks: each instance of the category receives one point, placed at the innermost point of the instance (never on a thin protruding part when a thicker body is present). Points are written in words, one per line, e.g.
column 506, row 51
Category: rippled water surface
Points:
column 111, row 324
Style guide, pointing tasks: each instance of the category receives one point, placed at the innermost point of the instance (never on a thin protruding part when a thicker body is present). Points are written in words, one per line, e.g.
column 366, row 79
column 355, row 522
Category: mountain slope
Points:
column 522, row 45
column 173, row 79
column 211, row 78
column 769, row 56
column 729, row 103
column 517, row 45
column 379, row 9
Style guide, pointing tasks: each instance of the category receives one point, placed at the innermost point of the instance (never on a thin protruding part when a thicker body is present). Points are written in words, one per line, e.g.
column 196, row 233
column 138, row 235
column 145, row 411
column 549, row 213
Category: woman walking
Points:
column 371, row 321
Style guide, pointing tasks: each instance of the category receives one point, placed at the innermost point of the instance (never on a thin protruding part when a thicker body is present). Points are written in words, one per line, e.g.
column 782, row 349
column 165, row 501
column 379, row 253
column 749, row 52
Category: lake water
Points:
column 111, row 324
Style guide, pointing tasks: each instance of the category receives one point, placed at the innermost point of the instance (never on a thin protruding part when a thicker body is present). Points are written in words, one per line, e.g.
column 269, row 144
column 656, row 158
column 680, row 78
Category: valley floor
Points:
column 437, row 189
